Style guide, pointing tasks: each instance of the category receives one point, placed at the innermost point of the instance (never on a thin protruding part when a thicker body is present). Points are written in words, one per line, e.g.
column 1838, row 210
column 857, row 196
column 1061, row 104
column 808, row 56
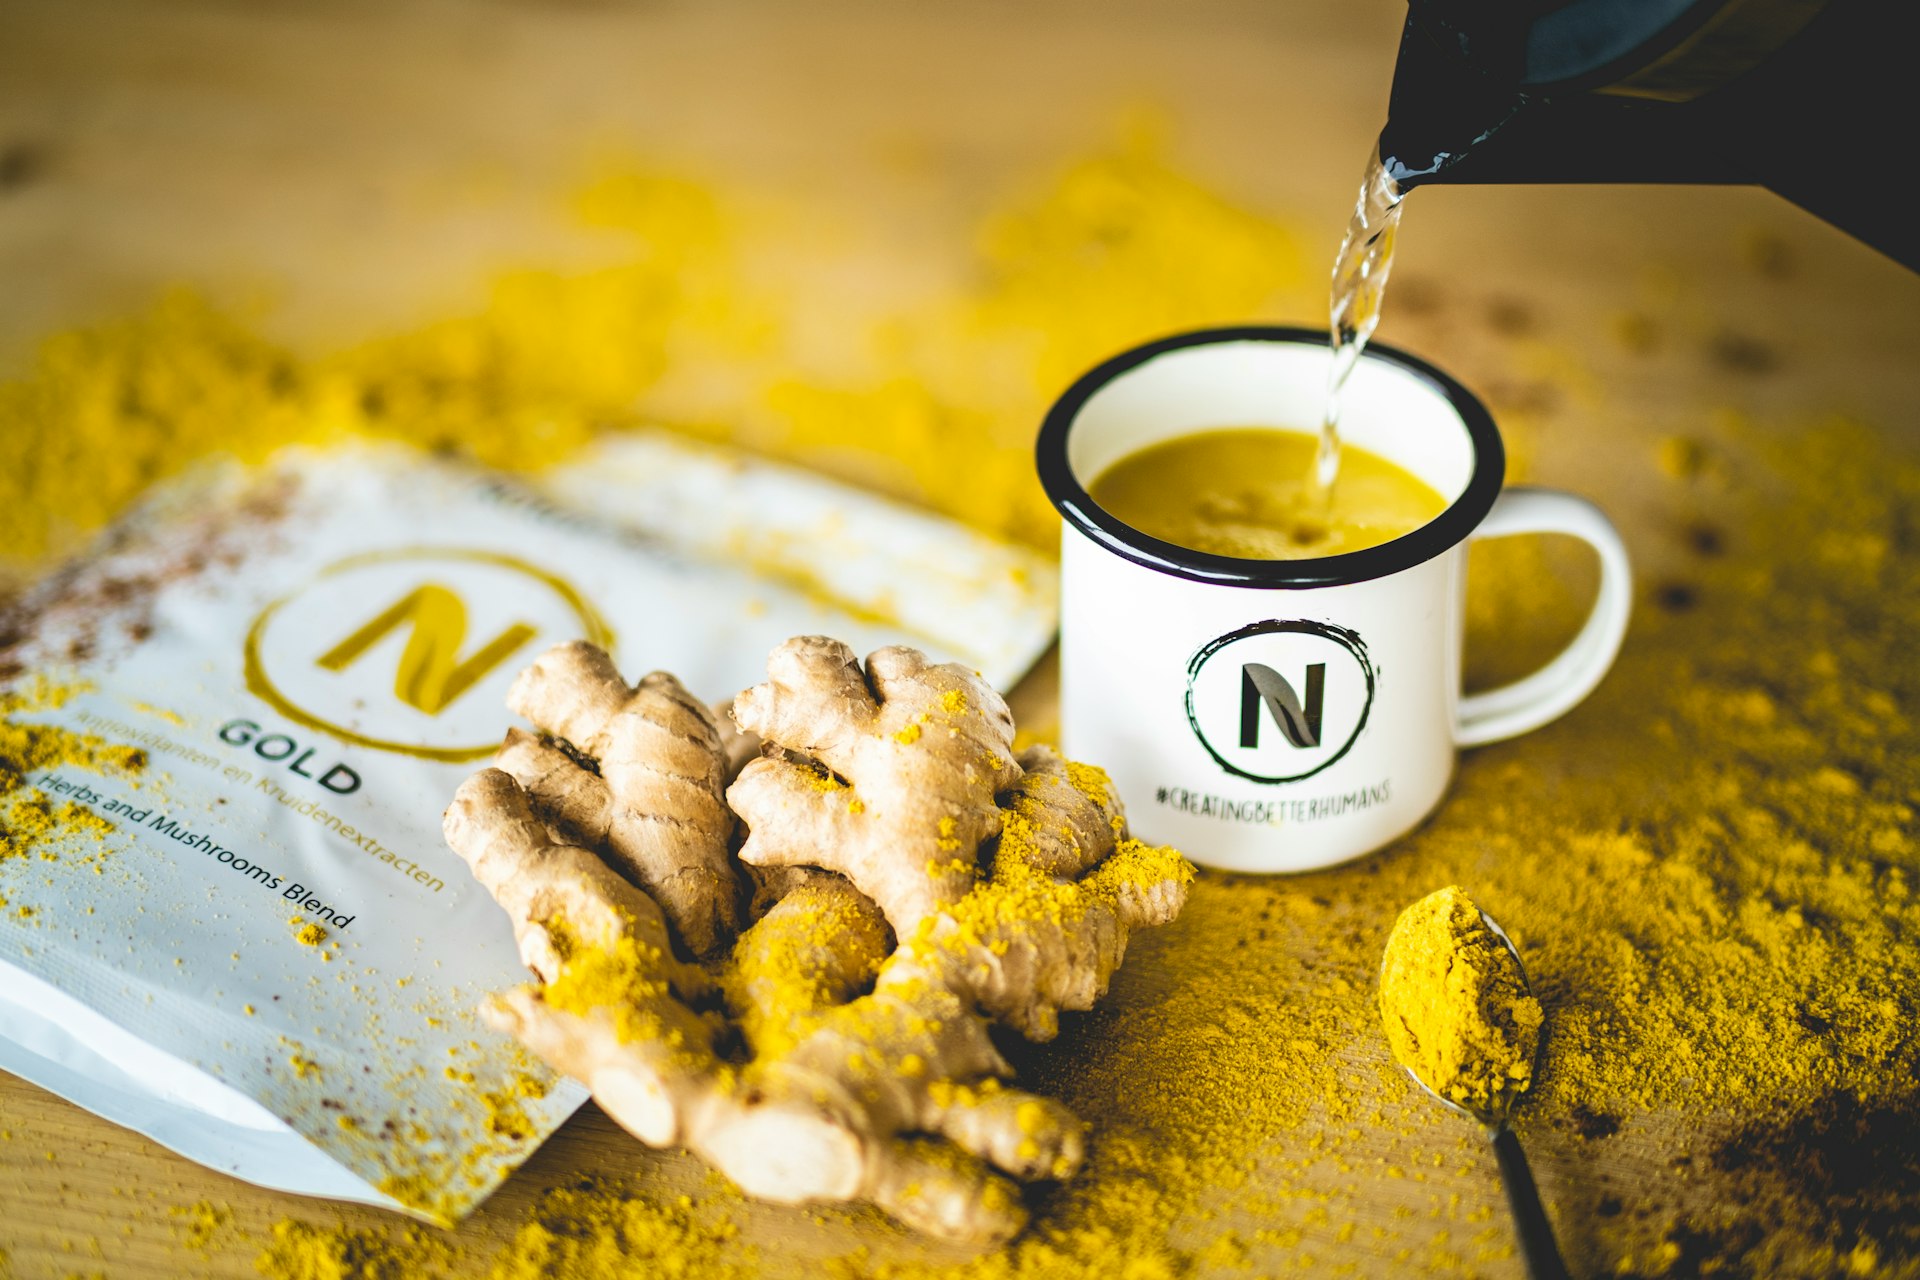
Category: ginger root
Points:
column 653, row 802
column 887, row 776
column 811, row 1013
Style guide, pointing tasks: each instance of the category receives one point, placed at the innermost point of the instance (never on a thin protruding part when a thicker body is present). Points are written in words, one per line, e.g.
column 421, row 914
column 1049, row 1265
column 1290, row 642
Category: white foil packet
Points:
column 271, row 963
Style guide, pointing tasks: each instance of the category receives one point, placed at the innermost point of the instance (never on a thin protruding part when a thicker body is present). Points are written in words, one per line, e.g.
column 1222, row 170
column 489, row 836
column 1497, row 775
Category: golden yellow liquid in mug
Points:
column 1249, row 492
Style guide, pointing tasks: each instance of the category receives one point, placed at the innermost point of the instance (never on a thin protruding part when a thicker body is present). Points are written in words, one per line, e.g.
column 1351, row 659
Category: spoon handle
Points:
column 1529, row 1215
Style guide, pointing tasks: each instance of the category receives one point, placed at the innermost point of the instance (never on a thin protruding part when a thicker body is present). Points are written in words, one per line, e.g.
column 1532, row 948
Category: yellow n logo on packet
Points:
column 445, row 696
column 430, row 674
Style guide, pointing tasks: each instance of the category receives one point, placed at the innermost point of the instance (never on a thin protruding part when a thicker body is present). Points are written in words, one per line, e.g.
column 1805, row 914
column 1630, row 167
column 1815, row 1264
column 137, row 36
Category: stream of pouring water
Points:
column 1359, row 275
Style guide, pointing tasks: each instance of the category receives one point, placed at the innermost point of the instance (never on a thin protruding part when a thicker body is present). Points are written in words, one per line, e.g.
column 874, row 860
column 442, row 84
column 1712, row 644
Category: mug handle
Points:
column 1552, row 691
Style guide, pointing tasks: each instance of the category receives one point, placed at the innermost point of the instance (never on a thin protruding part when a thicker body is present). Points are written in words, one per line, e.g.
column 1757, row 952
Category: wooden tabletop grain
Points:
column 360, row 165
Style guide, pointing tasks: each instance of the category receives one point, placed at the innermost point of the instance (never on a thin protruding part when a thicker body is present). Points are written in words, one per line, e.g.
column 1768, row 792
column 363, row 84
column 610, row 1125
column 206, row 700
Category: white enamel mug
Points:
column 1282, row 715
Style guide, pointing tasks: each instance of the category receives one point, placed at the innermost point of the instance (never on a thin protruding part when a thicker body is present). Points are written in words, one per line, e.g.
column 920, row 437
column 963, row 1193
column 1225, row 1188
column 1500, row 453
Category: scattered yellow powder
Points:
column 31, row 823
column 424, row 1191
column 1681, row 458
column 506, row 1116
column 1456, row 1006
column 596, row 1229
column 201, row 1221
column 27, row 748
column 307, row 933
column 1122, row 247
column 107, row 411
column 301, row 1251
column 823, row 779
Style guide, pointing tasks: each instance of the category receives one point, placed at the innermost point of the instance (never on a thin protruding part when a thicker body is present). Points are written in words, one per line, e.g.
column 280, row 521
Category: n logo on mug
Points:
column 1261, row 685
column 1280, row 700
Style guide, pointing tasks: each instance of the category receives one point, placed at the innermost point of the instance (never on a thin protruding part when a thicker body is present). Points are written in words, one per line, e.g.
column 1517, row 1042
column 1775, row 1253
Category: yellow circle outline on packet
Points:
column 597, row 631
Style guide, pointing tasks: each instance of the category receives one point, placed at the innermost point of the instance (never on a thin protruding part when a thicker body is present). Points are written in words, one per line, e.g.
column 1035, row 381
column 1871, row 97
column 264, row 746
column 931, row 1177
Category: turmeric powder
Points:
column 201, row 1221
column 555, row 358
column 302, row 1251
column 599, row 1229
column 306, row 932
column 29, row 821
column 1456, row 1006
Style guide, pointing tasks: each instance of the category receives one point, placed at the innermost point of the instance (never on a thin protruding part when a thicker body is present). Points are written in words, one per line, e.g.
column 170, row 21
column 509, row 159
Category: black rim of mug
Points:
column 1437, row 536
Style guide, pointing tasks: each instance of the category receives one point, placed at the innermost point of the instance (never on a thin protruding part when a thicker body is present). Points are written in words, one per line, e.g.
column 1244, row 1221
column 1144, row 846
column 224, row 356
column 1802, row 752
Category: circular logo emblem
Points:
column 412, row 650
column 1279, row 701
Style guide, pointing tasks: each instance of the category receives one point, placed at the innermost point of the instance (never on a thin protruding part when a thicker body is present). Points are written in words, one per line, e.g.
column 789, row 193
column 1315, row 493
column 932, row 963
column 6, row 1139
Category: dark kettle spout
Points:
column 1454, row 120
column 1810, row 98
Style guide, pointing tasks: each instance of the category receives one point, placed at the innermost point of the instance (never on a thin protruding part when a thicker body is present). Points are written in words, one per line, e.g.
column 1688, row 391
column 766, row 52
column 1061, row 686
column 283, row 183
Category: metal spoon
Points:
column 1530, row 1222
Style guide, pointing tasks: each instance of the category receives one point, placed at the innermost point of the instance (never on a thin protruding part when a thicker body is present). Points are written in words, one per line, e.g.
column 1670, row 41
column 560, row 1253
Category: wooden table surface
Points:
column 360, row 165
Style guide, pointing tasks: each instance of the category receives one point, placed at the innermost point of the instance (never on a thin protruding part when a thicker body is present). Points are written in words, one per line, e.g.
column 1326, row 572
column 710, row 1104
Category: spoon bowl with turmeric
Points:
column 1462, row 1021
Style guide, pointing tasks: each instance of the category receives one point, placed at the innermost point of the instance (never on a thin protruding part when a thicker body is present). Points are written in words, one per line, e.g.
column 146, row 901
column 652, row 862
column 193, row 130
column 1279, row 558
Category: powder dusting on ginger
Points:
column 823, row 946
column 617, row 979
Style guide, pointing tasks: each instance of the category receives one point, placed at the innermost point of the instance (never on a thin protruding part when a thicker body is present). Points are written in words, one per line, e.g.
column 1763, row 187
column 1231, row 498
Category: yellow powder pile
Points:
column 1455, row 1005
column 306, row 932
column 592, row 1228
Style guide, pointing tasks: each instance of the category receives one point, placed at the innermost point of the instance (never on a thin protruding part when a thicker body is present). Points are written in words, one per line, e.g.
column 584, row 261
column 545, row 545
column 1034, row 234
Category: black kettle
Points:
column 1811, row 98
